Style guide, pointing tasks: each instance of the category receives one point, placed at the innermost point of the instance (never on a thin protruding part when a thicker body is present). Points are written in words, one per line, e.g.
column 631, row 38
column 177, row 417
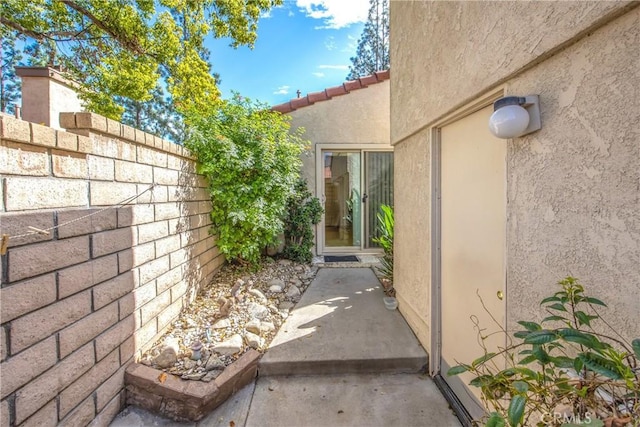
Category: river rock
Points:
column 258, row 294
column 253, row 326
column 276, row 282
column 222, row 324
column 253, row 340
column 168, row 356
column 195, row 376
column 276, row 289
column 229, row 347
column 257, row 311
column 266, row 327
column 285, row 306
column 210, row 376
column 214, row 362
column 293, row 292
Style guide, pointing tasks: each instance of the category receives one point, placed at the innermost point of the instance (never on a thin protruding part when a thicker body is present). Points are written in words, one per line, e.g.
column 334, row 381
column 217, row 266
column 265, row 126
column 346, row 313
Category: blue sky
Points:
column 302, row 45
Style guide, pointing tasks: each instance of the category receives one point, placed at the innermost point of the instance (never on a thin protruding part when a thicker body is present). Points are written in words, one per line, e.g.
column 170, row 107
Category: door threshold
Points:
column 458, row 408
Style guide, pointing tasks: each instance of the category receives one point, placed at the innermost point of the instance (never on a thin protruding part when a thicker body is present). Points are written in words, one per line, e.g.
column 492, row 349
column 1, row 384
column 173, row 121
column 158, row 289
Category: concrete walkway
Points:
column 340, row 359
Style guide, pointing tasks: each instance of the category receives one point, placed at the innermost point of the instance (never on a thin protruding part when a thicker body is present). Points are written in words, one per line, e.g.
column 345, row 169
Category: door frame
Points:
column 436, row 245
column 319, row 173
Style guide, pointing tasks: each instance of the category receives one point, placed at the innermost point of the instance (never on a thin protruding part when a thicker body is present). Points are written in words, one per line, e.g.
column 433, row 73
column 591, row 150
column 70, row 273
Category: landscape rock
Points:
column 266, row 327
column 286, row 305
column 210, row 376
column 222, row 324
column 257, row 311
column 254, row 326
column 168, row 355
column 214, row 362
column 258, row 294
column 276, row 282
column 195, row 376
column 253, row 340
column 293, row 292
column 229, row 347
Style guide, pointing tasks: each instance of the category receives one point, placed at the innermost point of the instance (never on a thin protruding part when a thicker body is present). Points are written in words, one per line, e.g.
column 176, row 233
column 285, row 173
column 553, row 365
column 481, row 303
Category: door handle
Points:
column 364, row 198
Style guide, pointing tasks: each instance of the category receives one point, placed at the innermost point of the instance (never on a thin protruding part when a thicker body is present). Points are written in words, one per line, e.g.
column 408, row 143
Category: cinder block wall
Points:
column 80, row 303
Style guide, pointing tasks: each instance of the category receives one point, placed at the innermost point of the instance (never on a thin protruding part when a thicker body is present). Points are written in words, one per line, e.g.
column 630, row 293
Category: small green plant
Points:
column 385, row 240
column 303, row 212
column 251, row 160
column 568, row 375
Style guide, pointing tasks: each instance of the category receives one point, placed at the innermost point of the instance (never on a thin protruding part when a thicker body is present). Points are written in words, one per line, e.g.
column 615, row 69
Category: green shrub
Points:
column 568, row 375
column 303, row 212
column 251, row 160
column 385, row 240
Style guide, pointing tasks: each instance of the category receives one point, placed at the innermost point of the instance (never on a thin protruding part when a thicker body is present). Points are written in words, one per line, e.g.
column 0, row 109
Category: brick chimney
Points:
column 46, row 94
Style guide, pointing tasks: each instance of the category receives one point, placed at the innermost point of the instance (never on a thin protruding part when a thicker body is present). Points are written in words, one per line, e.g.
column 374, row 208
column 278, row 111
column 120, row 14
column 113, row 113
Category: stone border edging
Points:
column 186, row 400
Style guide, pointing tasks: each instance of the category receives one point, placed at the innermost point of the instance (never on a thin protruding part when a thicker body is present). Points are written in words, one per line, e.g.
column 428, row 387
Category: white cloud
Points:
column 335, row 13
column 333, row 67
column 319, row 75
column 330, row 43
column 265, row 15
column 291, row 13
column 282, row 90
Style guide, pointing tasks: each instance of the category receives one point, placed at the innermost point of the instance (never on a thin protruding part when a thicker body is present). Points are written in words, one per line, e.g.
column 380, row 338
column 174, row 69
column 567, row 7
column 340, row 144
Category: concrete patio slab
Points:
column 342, row 326
column 349, row 400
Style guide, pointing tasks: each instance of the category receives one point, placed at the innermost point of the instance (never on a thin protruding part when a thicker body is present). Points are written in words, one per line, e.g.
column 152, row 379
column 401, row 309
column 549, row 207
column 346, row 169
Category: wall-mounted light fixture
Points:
column 515, row 116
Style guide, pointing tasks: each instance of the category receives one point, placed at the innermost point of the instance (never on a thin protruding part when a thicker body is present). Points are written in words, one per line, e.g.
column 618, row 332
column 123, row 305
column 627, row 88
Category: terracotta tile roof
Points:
column 331, row 92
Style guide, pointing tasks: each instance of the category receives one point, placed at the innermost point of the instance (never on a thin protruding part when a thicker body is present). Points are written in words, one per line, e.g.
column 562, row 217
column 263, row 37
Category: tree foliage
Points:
column 303, row 212
column 10, row 56
column 120, row 48
column 372, row 53
column 251, row 160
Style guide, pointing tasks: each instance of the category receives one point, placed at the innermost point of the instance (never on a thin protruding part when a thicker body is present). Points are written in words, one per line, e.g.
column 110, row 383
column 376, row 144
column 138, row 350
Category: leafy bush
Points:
column 303, row 212
column 385, row 240
column 581, row 376
column 251, row 160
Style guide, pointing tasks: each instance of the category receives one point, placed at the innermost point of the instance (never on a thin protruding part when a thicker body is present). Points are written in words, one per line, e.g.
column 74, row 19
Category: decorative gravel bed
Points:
column 238, row 311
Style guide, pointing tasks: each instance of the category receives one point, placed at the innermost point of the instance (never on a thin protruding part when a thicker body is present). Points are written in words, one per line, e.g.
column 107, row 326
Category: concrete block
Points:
column 150, row 156
column 47, row 416
column 167, row 245
column 155, row 306
column 82, row 276
column 165, row 176
column 67, row 164
column 113, row 127
column 66, row 141
column 112, row 289
column 126, row 305
column 167, row 211
column 157, row 194
column 3, row 344
column 22, row 159
column 110, row 411
column 101, row 168
column 111, row 241
column 91, row 121
column 43, row 135
column 18, row 223
column 38, row 392
column 87, row 328
column 26, row 296
column 70, row 224
column 152, row 231
column 67, row 120
column 18, row 370
column 143, row 253
column 109, row 389
column 111, row 338
column 133, row 172
column 33, row 260
column 125, row 260
column 144, row 294
column 88, row 382
column 37, row 325
column 14, row 129
column 109, row 193
column 171, row 313
column 44, row 193
column 81, row 416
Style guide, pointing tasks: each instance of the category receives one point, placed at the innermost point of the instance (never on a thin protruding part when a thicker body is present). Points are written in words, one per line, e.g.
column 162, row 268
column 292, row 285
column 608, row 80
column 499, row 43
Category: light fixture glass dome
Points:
column 509, row 121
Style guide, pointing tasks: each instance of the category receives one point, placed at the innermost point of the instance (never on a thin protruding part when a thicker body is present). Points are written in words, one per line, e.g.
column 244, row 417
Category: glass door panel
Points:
column 379, row 190
column 343, row 195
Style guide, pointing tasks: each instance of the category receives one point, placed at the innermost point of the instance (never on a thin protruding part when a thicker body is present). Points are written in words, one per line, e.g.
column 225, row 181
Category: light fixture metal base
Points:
column 532, row 105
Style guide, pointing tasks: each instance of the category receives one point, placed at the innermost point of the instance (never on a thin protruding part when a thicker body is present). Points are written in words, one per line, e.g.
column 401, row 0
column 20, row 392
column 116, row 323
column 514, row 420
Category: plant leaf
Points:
column 550, row 299
column 542, row 336
column 562, row 362
column 583, row 318
column 495, row 420
column 541, row 355
column 600, row 365
column 521, row 334
column 516, row 410
column 521, row 386
column 456, row 370
column 530, row 326
column 550, row 318
column 595, row 301
column 482, row 359
column 636, row 347
column 527, row 360
column 557, row 306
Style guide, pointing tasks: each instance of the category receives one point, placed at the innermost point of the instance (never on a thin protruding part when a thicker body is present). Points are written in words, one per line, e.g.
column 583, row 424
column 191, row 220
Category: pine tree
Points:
column 10, row 85
column 372, row 53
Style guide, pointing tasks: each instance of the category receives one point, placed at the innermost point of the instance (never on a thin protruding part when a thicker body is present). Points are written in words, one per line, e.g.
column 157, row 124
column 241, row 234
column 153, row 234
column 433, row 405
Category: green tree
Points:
column 120, row 48
column 10, row 55
column 372, row 53
column 251, row 159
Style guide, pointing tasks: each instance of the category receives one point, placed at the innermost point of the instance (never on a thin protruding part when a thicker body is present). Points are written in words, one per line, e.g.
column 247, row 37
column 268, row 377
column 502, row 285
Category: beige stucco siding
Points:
column 359, row 117
column 573, row 187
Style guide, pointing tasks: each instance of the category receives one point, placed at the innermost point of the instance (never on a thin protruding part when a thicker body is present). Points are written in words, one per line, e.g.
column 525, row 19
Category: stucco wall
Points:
column 574, row 186
column 359, row 117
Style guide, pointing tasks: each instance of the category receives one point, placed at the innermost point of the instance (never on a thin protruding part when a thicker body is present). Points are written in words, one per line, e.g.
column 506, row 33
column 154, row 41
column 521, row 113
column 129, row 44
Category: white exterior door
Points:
column 473, row 229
